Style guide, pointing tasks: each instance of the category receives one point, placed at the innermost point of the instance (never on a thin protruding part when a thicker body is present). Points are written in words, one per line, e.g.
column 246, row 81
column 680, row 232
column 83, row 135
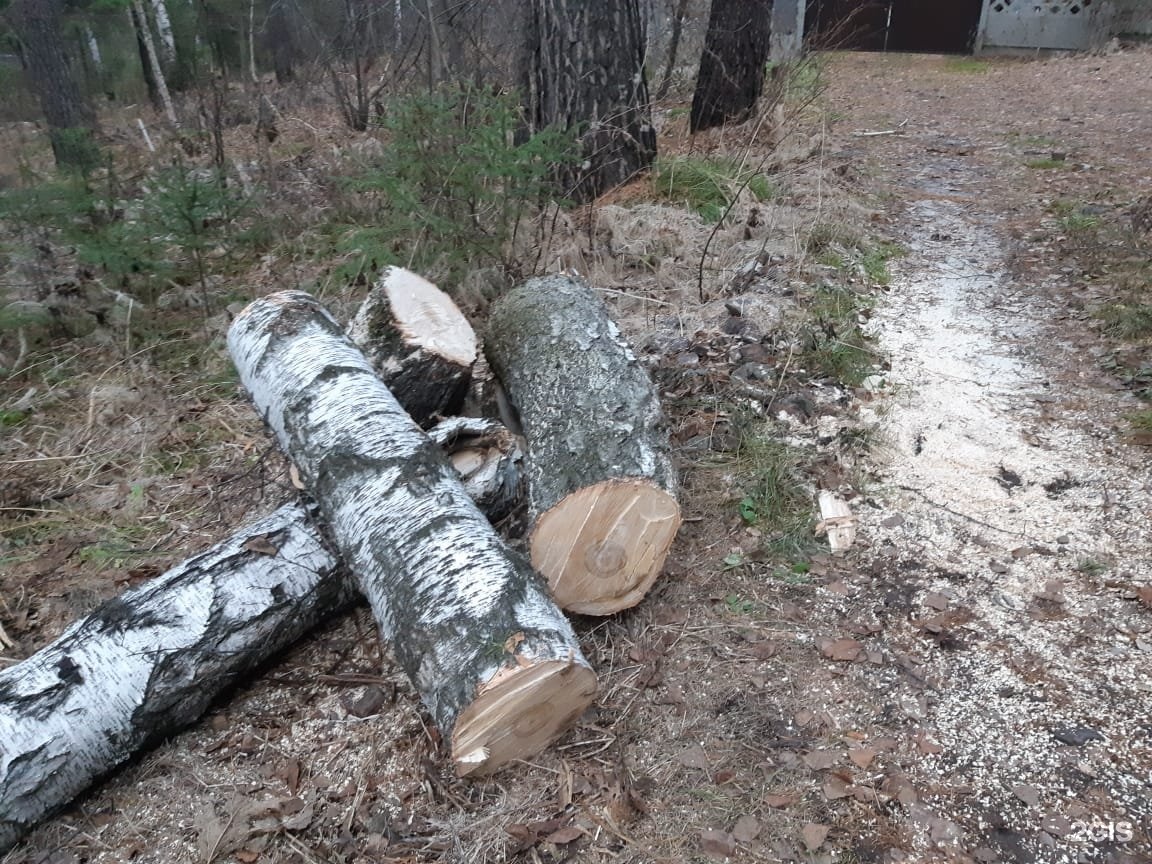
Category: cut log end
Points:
column 419, row 342
column 428, row 317
column 519, row 712
column 603, row 546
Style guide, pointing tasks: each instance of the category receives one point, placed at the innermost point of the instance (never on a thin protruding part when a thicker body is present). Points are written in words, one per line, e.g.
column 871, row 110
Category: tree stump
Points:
column 495, row 661
column 601, row 486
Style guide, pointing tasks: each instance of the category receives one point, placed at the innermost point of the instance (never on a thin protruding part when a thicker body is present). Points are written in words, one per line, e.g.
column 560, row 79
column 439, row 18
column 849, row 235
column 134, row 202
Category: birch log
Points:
column 149, row 661
column 420, row 343
column 495, row 661
column 104, row 690
column 601, row 486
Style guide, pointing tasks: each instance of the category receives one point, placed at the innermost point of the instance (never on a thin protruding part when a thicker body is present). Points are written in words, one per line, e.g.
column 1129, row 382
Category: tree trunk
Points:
column 494, row 660
column 152, row 62
column 218, row 615
column 415, row 336
column 584, row 72
column 164, row 29
column 71, row 121
column 673, row 48
column 732, row 67
column 601, row 486
column 282, row 41
column 149, row 662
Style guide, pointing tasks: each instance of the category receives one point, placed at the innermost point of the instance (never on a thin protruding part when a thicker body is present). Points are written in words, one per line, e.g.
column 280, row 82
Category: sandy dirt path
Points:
column 1012, row 516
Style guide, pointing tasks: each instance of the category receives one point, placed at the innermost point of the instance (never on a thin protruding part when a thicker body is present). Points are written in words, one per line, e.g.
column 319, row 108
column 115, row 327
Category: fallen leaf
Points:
column 695, row 757
column 836, row 788
column 746, row 829
column 722, row 777
column 294, row 476
column 814, row 835
column 1028, row 794
column 925, row 745
column 566, row 835
column 1145, row 595
column 512, row 642
column 844, row 650
column 719, row 843
column 247, row 856
column 779, row 801
column 862, row 756
column 936, row 600
column 819, row 760
column 290, row 773
column 261, row 545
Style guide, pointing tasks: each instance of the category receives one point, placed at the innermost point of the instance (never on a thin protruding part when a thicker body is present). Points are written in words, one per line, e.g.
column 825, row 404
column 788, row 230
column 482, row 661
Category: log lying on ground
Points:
column 419, row 342
column 149, row 662
column 601, row 486
column 495, row 661
column 488, row 459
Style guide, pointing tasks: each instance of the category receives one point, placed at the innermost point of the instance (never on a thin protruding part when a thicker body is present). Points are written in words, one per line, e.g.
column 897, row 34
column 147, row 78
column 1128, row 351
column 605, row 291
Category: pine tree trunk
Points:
column 147, row 663
column 732, row 67
column 601, row 486
column 71, row 120
column 494, row 660
column 584, row 72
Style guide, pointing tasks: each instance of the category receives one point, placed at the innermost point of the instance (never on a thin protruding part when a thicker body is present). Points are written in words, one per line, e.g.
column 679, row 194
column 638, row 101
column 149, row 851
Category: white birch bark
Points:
column 147, row 663
column 101, row 692
column 495, row 661
column 140, row 19
column 164, row 28
column 93, row 47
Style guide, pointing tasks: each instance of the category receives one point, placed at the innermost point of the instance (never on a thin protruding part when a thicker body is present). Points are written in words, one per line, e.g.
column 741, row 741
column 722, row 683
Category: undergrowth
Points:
column 774, row 497
column 707, row 185
column 451, row 188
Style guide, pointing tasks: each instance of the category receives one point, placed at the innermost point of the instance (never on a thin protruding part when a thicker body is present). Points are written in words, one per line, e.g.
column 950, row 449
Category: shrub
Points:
column 452, row 186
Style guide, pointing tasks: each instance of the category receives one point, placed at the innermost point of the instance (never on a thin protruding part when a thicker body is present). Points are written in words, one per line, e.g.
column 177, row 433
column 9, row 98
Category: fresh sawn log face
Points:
column 601, row 485
column 420, row 343
column 148, row 662
column 495, row 661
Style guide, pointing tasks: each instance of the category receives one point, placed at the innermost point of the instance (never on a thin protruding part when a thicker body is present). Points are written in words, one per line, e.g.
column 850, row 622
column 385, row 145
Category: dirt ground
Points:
column 968, row 683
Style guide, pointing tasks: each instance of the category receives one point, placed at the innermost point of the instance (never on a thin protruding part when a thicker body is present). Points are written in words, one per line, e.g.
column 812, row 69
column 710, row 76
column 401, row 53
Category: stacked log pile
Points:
column 402, row 497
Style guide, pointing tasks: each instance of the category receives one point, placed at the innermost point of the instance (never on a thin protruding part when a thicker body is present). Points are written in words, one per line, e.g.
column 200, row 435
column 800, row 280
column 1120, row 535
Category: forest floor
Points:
column 968, row 683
